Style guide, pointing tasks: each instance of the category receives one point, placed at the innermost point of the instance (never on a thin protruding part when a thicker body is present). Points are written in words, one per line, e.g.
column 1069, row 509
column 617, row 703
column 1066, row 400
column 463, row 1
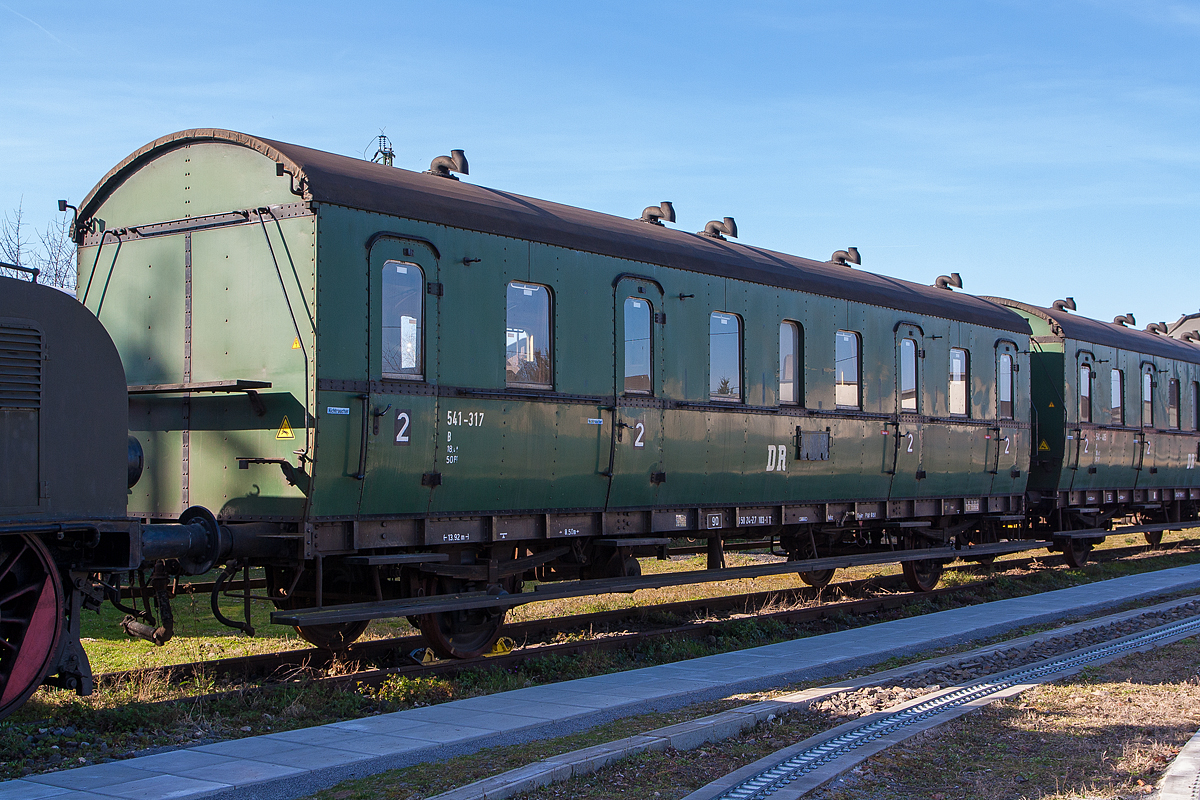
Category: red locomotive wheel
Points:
column 32, row 610
column 1153, row 539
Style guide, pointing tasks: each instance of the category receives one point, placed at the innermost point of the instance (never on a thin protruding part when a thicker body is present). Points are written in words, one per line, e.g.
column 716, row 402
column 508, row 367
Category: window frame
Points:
column 1174, row 417
column 384, row 317
column 1195, row 405
column 797, row 363
column 856, row 337
column 909, row 361
column 966, row 384
column 1085, row 392
column 1116, row 408
column 648, row 392
column 1002, row 383
column 1148, row 396
column 739, row 396
column 549, row 336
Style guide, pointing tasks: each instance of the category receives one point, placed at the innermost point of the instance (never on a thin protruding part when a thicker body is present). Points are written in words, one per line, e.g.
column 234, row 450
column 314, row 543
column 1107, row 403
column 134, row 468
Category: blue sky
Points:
column 1040, row 149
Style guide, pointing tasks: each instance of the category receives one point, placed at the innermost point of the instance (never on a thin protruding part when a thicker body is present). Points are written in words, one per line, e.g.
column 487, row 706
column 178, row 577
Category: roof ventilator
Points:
column 950, row 282
column 1066, row 304
column 1192, row 336
column 656, row 214
column 442, row 166
column 846, row 257
column 714, row 229
column 1159, row 328
column 1125, row 319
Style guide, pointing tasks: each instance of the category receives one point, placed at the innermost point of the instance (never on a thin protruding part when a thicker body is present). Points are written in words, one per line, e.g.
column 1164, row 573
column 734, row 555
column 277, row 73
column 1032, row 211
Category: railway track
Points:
column 388, row 657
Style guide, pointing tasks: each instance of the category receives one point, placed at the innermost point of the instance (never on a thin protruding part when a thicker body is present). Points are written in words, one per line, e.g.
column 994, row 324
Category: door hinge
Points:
column 434, row 288
column 660, row 317
column 431, row 479
column 658, row 477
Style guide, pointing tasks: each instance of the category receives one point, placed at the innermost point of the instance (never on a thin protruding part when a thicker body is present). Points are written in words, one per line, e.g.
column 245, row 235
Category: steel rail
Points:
column 770, row 780
column 266, row 664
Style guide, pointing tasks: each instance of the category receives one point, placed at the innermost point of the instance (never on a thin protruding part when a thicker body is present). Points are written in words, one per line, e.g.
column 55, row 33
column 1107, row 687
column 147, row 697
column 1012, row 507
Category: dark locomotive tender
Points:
column 406, row 395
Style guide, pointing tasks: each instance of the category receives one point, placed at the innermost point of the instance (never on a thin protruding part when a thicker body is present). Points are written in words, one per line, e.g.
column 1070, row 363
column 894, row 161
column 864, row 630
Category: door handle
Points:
column 362, row 447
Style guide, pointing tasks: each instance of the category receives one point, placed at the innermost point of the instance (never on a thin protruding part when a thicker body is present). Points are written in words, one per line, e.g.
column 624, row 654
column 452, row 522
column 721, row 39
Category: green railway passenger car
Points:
column 1117, row 414
column 435, row 388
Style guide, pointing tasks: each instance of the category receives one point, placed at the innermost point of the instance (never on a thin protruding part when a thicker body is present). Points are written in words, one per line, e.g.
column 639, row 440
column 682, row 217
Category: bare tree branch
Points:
column 57, row 257
column 54, row 258
column 13, row 246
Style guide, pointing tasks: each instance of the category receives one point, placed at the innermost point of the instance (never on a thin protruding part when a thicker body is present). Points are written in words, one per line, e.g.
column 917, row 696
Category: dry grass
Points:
column 199, row 637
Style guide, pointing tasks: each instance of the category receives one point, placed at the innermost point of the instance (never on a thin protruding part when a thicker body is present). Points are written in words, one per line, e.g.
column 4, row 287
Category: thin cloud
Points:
column 37, row 25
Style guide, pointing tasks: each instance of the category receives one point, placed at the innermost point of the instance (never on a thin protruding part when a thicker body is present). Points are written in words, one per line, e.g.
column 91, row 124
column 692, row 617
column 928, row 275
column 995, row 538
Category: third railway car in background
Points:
column 1117, row 424
column 428, row 393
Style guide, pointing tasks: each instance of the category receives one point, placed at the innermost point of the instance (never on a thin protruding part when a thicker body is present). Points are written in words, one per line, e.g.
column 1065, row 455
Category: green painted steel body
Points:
column 289, row 293
column 1095, row 455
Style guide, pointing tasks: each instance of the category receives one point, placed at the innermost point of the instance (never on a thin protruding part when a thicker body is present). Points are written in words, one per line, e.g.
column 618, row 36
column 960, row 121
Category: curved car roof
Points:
column 356, row 183
column 1066, row 325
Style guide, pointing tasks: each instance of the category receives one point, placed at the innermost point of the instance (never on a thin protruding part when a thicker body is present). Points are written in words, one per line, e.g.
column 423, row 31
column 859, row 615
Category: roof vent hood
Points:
column 442, row 166
column 950, row 282
column 846, row 257
column 1159, row 328
column 1066, row 304
column 1125, row 319
column 656, row 214
column 714, row 229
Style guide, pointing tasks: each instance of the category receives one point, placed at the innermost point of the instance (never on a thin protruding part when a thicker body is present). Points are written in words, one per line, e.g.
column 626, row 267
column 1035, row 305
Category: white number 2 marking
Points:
column 1006, row 445
column 640, row 427
column 1086, row 444
column 910, row 442
column 402, row 423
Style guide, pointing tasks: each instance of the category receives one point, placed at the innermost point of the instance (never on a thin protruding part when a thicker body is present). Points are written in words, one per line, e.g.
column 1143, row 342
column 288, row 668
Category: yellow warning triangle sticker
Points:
column 1043, row 446
column 1052, row 404
column 285, row 430
column 296, row 343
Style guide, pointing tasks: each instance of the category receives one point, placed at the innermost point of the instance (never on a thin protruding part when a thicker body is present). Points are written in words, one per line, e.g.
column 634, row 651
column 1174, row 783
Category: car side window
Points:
column 1173, row 403
column 847, row 387
column 725, row 357
column 960, row 379
column 791, row 363
column 403, row 335
column 908, row 375
column 1148, row 398
column 1118, row 397
column 528, row 349
column 638, row 351
column 1004, row 373
column 1085, row 393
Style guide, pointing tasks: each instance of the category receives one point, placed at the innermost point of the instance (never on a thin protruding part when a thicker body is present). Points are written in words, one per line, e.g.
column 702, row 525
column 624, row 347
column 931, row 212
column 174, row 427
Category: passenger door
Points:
column 397, row 417
column 909, row 477
column 637, row 445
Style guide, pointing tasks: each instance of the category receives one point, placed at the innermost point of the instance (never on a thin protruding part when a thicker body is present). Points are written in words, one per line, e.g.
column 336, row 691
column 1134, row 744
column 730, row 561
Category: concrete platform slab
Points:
column 25, row 790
